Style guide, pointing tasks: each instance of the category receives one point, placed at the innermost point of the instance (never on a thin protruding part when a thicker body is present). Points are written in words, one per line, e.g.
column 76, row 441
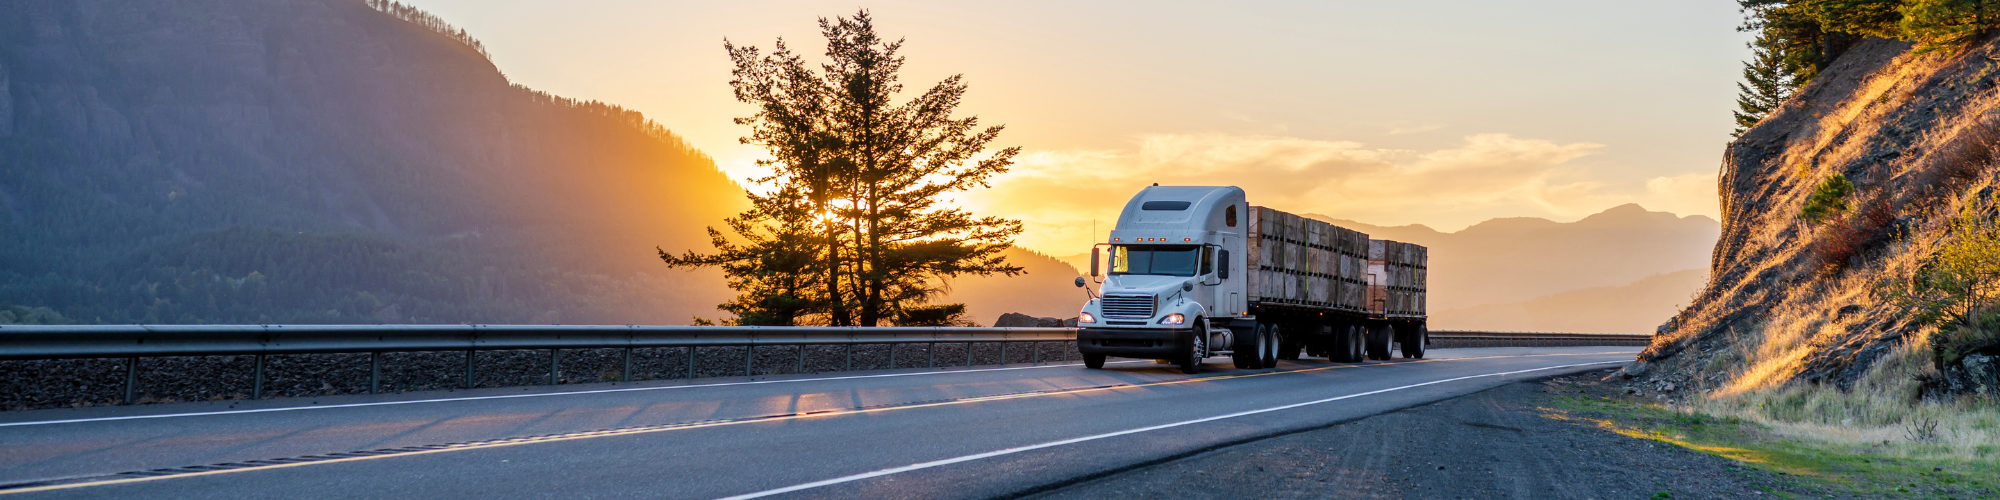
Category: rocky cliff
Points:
column 1794, row 302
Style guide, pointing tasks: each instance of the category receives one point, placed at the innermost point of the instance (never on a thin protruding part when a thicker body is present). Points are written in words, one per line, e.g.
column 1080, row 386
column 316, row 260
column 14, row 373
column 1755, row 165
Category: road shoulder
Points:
column 1511, row 441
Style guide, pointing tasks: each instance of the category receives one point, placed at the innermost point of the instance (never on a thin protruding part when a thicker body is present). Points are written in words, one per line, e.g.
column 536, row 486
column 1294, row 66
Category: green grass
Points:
column 1860, row 470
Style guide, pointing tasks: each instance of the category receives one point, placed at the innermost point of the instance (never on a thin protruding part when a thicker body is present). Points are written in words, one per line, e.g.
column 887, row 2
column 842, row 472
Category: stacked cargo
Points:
column 1301, row 261
column 1398, row 274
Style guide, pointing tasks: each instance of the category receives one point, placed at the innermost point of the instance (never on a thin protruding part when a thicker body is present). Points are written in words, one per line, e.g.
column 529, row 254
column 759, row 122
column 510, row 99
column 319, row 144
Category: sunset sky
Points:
column 1443, row 113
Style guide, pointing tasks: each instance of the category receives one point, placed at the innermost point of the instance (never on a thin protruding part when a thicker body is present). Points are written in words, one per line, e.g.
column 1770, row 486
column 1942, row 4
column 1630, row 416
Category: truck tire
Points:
column 1357, row 344
column 1190, row 361
column 1243, row 351
column 1413, row 346
column 1378, row 342
column 1290, row 345
column 1093, row 361
column 1269, row 354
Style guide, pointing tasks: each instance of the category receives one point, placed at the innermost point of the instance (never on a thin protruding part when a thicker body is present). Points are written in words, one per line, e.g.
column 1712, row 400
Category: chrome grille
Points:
column 1127, row 306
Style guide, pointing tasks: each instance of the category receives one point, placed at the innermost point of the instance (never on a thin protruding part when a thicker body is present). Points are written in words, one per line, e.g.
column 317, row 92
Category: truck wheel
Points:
column 1378, row 344
column 1290, row 345
column 1197, row 347
column 1243, row 350
column 1413, row 347
column 1268, row 356
column 1093, row 361
column 1357, row 344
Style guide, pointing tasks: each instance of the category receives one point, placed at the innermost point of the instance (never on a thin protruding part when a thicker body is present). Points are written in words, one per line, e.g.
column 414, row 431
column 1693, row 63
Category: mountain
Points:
column 1510, row 260
column 321, row 161
column 1048, row 290
column 1633, row 308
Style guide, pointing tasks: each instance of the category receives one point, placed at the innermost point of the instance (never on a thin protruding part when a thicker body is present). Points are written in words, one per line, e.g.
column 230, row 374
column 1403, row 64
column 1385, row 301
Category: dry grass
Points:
column 1883, row 413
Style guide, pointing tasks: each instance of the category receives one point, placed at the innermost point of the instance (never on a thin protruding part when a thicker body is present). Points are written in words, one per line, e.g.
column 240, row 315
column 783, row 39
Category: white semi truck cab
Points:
column 1195, row 271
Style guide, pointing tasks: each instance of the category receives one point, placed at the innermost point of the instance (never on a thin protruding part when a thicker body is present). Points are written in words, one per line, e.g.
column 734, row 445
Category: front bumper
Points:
column 1146, row 343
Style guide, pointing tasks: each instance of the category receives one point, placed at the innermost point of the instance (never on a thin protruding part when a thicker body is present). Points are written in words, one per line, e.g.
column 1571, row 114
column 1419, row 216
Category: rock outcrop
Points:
column 1795, row 302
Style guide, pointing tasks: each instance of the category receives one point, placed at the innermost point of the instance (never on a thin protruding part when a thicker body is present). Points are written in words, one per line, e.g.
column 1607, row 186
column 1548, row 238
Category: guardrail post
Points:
column 892, row 356
column 968, row 353
column 555, row 370
column 468, row 367
column 626, row 374
column 802, row 359
column 690, row 362
column 257, row 379
column 1003, row 352
column 1036, row 348
column 850, row 358
column 932, row 352
column 131, row 379
column 375, row 372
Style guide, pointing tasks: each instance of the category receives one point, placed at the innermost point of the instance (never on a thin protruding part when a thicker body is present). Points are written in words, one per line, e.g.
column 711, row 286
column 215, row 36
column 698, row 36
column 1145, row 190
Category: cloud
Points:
column 1059, row 193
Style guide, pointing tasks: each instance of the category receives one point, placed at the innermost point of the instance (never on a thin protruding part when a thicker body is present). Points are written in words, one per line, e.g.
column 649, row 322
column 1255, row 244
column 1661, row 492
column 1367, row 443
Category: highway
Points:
column 983, row 432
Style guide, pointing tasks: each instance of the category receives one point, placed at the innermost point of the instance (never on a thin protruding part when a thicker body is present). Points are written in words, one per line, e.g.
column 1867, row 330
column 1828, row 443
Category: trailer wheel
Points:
column 1268, row 356
column 1197, row 347
column 1378, row 343
column 1093, row 361
column 1413, row 348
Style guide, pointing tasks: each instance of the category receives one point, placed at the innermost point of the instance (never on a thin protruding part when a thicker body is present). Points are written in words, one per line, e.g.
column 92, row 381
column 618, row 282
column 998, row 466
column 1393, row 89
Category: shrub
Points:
column 1828, row 199
column 1957, row 287
column 1854, row 234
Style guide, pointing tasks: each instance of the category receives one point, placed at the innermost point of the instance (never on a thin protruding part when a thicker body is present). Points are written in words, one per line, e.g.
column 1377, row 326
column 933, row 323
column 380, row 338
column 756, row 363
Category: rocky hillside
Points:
column 1792, row 301
column 324, row 161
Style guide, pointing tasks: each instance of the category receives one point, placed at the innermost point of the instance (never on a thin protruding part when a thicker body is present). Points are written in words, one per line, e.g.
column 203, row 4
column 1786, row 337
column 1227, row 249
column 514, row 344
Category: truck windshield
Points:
column 1151, row 259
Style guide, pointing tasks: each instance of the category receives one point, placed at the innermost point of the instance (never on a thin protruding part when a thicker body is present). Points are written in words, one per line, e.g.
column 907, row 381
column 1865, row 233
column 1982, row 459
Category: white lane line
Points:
column 1051, row 444
column 514, row 396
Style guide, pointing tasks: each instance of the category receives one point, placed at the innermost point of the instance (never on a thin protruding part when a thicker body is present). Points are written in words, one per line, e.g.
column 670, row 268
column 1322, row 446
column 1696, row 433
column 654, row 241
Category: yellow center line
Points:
column 507, row 442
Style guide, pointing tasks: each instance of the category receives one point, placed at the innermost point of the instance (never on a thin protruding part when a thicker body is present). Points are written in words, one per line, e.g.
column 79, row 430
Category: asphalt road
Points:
column 969, row 433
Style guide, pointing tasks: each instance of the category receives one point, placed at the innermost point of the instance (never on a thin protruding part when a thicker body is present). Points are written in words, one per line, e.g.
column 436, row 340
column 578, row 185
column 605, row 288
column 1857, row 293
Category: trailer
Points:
column 1195, row 271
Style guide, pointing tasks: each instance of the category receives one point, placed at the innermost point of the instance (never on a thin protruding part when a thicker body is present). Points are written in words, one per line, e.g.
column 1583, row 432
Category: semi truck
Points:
column 1196, row 271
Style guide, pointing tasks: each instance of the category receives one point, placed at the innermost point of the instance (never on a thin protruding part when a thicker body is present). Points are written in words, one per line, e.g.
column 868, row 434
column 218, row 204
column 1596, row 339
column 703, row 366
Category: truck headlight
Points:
column 1084, row 317
column 1173, row 319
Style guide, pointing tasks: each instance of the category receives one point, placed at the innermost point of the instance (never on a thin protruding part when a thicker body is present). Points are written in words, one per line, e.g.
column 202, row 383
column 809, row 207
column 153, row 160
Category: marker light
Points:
column 1173, row 319
column 1187, row 239
column 1084, row 317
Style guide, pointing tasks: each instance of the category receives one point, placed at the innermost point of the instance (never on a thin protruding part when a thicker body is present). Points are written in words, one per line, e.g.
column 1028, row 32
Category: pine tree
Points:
column 857, row 230
column 1936, row 24
column 1765, row 84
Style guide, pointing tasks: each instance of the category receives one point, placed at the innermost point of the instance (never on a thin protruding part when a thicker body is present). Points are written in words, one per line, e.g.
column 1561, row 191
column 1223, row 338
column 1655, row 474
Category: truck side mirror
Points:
column 1187, row 286
column 1093, row 262
column 1079, row 282
column 1222, row 264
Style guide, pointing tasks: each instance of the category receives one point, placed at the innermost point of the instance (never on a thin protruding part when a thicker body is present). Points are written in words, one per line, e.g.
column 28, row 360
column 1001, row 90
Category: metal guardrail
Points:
column 1466, row 338
column 133, row 342
column 143, row 341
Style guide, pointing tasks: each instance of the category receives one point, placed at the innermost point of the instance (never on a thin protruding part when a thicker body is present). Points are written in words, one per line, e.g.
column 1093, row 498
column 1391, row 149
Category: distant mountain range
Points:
column 322, row 161
column 1514, row 259
column 1639, row 307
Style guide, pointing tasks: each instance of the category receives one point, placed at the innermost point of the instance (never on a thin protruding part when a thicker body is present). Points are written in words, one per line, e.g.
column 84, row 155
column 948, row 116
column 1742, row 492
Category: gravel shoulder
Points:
column 1507, row 442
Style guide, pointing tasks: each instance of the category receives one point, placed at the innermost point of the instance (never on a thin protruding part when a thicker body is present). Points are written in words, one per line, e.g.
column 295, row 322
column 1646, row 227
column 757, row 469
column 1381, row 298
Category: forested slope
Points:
column 324, row 161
